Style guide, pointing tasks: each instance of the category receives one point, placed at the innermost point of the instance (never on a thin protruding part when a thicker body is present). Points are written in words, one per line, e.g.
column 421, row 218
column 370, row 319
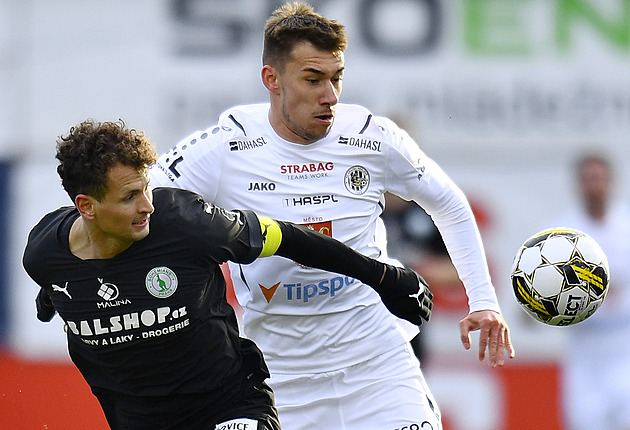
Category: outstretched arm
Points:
column 403, row 291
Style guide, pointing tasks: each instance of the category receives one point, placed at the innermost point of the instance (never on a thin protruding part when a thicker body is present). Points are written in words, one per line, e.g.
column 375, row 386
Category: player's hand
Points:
column 406, row 294
column 494, row 335
column 45, row 309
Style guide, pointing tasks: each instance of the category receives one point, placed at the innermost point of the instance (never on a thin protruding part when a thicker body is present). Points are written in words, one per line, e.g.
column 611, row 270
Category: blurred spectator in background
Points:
column 596, row 368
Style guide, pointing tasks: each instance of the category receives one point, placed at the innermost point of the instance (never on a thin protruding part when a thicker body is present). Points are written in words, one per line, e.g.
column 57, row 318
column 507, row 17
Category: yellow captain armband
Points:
column 272, row 236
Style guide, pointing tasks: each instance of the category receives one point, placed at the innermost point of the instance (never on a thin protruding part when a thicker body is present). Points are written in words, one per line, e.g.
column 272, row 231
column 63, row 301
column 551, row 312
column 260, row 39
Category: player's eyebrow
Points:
column 319, row 72
column 312, row 70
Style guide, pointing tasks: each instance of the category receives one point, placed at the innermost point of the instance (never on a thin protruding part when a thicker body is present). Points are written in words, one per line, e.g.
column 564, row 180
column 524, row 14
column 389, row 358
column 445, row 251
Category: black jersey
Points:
column 153, row 322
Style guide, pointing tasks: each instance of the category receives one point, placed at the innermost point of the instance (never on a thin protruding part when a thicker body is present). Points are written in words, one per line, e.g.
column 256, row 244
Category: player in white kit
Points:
column 338, row 358
column 596, row 381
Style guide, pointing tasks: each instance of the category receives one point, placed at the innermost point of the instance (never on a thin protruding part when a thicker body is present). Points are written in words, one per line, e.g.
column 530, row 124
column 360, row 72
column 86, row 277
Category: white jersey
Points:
column 306, row 320
column 612, row 235
column 598, row 396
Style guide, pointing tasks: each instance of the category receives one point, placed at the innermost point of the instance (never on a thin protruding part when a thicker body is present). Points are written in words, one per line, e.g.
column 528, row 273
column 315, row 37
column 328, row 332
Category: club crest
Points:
column 161, row 282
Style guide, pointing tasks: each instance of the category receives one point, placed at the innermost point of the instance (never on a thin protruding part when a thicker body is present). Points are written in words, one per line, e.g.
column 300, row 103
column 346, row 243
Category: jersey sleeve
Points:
column 31, row 261
column 41, row 244
column 186, row 164
column 212, row 231
column 412, row 175
column 37, row 255
column 313, row 249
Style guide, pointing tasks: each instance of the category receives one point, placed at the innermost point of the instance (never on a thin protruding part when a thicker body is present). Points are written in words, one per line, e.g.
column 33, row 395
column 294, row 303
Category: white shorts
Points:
column 387, row 392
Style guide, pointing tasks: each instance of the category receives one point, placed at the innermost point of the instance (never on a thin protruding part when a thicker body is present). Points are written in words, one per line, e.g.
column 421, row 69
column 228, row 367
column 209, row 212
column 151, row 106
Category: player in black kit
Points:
column 145, row 309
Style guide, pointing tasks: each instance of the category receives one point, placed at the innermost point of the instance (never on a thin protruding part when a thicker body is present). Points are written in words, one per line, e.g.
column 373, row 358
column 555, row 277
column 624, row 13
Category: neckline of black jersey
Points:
column 64, row 238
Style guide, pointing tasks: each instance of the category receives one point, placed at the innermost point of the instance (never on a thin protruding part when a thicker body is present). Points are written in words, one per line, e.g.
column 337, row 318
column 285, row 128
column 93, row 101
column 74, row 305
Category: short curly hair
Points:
column 92, row 148
column 297, row 22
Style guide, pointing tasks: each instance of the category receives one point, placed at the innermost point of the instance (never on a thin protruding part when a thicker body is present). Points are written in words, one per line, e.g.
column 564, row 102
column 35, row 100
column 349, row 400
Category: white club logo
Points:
column 161, row 282
column 107, row 291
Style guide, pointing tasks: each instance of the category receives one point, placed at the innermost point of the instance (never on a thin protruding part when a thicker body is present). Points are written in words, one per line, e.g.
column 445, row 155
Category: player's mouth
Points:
column 325, row 118
column 142, row 223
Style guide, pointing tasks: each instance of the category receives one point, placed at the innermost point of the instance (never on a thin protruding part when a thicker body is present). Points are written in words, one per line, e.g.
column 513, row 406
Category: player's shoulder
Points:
column 244, row 119
column 169, row 201
column 179, row 206
column 359, row 123
column 231, row 124
column 353, row 115
column 212, row 143
column 49, row 222
column 178, row 213
column 362, row 120
column 243, row 111
column 187, row 216
column 45, row 234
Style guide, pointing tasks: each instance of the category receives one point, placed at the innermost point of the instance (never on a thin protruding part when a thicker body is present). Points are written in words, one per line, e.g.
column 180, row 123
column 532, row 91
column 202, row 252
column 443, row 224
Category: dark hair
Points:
column 92, row 148
column 297, row 22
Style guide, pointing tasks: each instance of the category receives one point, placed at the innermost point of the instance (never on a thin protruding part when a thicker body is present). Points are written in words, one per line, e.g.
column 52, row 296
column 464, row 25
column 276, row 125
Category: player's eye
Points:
column 131, row 195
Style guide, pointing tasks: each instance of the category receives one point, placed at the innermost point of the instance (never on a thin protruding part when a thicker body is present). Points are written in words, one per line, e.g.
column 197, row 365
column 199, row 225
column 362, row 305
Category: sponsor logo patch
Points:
column 297, row 292
column 321, row 227
column 310, row 200
column 307, row 168
column 261, row 186
column 238, row 424
column 368, row 144
column 244, row 145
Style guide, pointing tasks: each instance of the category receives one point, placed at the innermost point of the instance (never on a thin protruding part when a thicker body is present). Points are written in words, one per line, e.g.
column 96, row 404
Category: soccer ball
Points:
column 560, row 276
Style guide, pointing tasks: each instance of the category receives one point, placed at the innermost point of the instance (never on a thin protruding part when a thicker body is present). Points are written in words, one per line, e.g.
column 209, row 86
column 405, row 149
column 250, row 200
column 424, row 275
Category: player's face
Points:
column 309, row 88
column 595, row 181
column 122, row 217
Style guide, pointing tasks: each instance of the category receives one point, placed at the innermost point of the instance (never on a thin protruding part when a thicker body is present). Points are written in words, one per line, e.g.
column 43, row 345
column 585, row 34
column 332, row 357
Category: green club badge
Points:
column 161, row 282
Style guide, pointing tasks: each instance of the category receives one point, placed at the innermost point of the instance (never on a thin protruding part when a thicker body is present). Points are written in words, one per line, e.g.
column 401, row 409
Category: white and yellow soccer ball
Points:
column 560, row 276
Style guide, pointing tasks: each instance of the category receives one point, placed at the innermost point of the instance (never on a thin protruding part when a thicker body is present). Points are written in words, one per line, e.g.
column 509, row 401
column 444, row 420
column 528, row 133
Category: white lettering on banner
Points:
column 419, row 25
column 545, row 94
column 238, row 424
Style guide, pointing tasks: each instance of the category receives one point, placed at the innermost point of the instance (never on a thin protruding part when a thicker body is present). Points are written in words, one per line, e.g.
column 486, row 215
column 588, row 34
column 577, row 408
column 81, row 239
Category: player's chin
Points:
column 140, row 231
column 319, row 131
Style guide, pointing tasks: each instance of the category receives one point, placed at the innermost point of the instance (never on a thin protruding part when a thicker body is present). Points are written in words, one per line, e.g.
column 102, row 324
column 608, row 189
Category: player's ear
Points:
column 270, row 78
column 85, row 205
